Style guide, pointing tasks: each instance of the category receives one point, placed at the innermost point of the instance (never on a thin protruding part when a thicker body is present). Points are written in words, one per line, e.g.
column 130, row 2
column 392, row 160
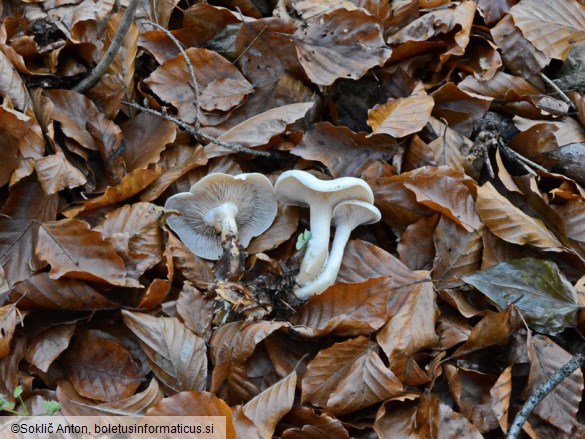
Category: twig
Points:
column 543, row 390
column 198, row 134
column 101, row 67
column 194, row 84
column 525, row 160
column 560, row 92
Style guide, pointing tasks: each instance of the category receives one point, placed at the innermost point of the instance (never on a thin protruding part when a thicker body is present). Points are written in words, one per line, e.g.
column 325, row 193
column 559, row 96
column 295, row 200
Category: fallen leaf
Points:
column 537, row 288
column 8, row 322
column 44, row 348
column 501, row 394
column 401, row 117
column 283, row 227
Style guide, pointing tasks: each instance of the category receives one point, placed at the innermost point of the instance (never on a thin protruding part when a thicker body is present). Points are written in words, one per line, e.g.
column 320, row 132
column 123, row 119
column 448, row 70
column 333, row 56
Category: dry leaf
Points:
column 401, row 117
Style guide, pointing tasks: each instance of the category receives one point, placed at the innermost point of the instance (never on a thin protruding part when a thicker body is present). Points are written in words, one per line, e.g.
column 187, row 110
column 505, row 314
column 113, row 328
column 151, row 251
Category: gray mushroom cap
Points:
column 251, row 194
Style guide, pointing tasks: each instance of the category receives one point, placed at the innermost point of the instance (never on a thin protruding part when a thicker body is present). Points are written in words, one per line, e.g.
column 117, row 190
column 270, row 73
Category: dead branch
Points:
column 102, row 66
column 540, row 393
column 198, row 134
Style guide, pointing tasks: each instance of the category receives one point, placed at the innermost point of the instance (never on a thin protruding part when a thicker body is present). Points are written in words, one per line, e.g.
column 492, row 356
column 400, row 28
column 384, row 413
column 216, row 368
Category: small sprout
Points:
column 17, row 391
column 303, row 240
column 51, row 407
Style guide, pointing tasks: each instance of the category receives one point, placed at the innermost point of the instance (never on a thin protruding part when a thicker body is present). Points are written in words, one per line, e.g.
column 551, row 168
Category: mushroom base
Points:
column 232, row 262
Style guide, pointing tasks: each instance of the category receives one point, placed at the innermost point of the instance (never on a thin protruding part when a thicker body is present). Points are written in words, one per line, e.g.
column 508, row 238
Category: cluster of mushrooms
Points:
column 222, row 213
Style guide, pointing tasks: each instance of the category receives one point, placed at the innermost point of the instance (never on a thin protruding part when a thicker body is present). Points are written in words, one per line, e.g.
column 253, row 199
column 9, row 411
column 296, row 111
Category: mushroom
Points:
column 346, row 217
column 222, row 212
column 300, row 188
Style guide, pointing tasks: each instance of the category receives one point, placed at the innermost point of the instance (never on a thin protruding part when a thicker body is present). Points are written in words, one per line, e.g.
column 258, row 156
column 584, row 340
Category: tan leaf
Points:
column 501, row 393
column 341, row 44
column 411, row 327
column 196, row 310
column 267, row 408
column 494, row 10
column 26, row 207
column 511, row 224
column 56, row 173
column 344, row 152
column 313, row 426
column 192, row 267
column 395, row 420
column 457, row 253
column 41, row 292
column 145, row 137
column 283, row 227
column 100, row 368
column 415, row 248
column 12, row 85
column 560, row 405
column 195, row 404
column 447, row 196
column 130, row 185
column 401, row 117
column 176, row 355
column 221, row 85
column 125, row 59
column 45, row 347
column 75, row 251
column 553, row 28
column 259, row 129
column 499, row 85
column 8, row 322
column 345, row 309
column 568, row 130
column 348, row 376
column 573, row 214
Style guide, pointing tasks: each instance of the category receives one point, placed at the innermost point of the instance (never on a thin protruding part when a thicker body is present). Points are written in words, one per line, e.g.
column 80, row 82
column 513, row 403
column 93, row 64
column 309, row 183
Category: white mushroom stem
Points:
column 223, row 219
column 328, row 275
column 317, row 247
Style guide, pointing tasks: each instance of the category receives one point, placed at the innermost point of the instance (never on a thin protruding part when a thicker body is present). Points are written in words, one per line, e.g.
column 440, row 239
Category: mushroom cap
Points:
column 300, row 188
column 252, row 194
column 355, row 213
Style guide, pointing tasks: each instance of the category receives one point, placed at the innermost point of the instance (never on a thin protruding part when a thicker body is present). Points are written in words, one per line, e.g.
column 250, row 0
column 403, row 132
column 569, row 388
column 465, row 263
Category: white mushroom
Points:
column 346, row 217
column 221, row 210
column 300, row 188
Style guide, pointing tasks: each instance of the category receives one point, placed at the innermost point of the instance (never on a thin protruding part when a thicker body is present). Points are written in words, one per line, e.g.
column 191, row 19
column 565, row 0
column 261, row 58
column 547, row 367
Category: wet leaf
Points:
column 537, row 288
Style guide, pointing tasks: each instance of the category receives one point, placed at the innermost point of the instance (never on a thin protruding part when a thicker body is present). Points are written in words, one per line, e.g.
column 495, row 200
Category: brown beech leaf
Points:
column 499, row 85
column 75, row 251
column 568, row 130
column 363, row 260
column 412, row 313
column 573, row 214
column 26, row 207
column 267, row 408
column 511, row 224
column 494, row 329
column 347, row 377
column 313, row 426
column 401, row 117
column 469, row 389
column 41, row 292
column 130, row 185
column 196, row 310
column 519, row 54
column 345, row 309
column 283, row 227
column 125, row 59
column 395, row 420
column 56, row 173
column 552, row 28
column 10, row 375
column 145, row 137
column 194, row 404
column 176, row 355
column 449, row 197
column 45, row 347
column 494, row 10
column 341, row 44
column 501, row 393
column 416, row 247
column 458, row 253
column 259, row 129
column 221, row 85
column 73, row 404
column 560, row 405
column 344, row 152
column 136, row 233
column 8, row 322
column 192, row 267
column 100, row 368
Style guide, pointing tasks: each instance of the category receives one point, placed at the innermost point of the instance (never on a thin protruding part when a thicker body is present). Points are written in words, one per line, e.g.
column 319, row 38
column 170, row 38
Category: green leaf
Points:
column 17, row 391
column 537, row 288
column 303, row 239
column 51, row 407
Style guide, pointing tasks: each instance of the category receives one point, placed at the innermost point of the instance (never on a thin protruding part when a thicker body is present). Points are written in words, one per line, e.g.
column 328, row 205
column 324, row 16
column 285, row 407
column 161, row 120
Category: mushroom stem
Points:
column 223, row 219
column 318, row 245
column 328, row 275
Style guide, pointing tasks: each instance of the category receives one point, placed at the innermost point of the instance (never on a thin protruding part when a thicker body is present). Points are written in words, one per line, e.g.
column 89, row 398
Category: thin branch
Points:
column 560, row 92
column 525, row 160
column 102, row 66
column 198, row 134
column 194, row 84
column 543, row 390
